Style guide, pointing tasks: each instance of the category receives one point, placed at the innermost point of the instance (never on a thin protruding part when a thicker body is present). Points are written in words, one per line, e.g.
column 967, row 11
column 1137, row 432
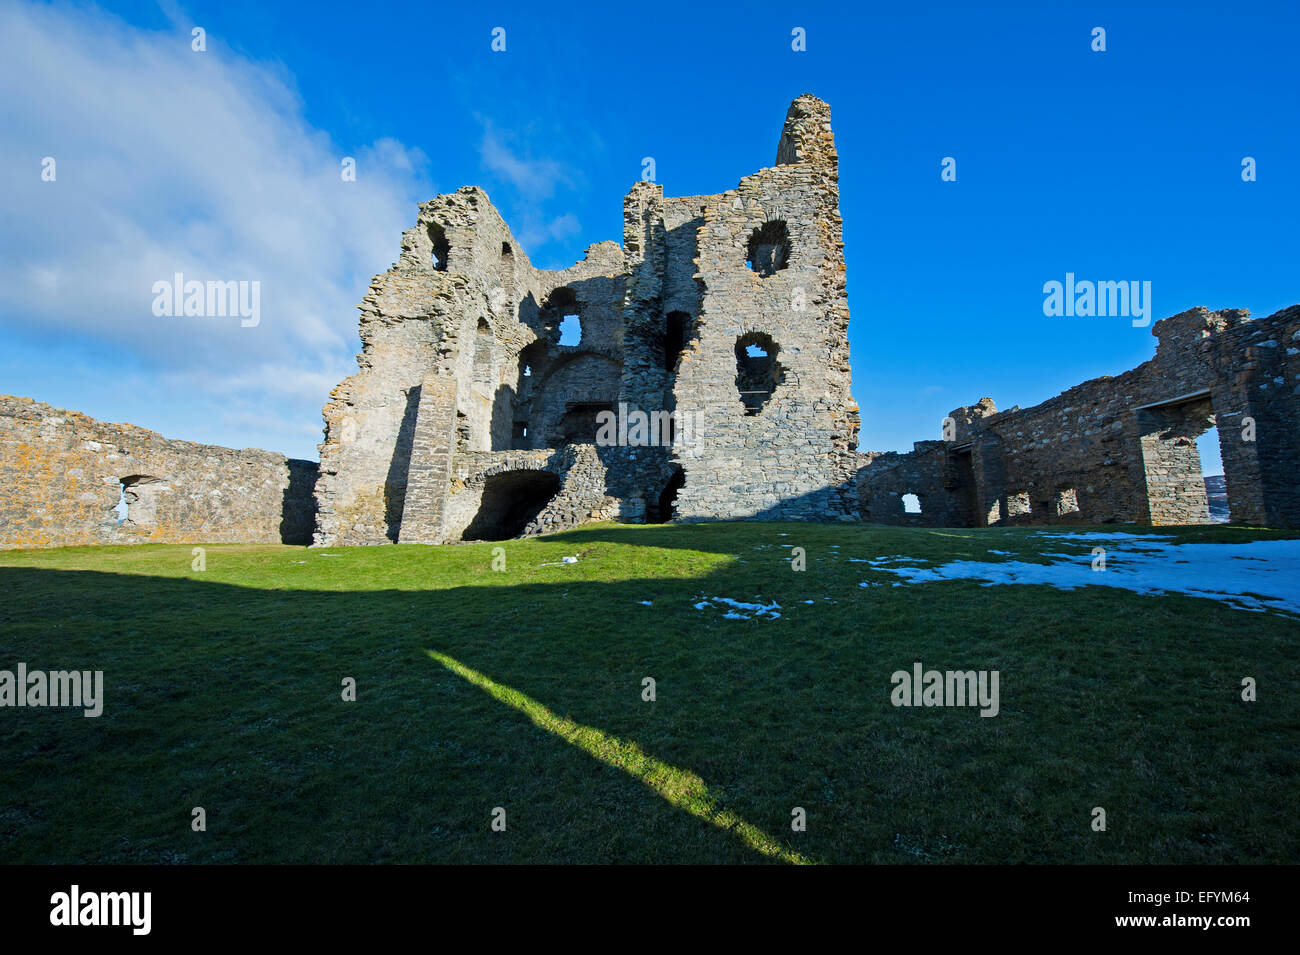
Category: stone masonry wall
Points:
column 63, row 474
column 662, row 319
column 1124, row 448
column 484, row 324
column 790, row 460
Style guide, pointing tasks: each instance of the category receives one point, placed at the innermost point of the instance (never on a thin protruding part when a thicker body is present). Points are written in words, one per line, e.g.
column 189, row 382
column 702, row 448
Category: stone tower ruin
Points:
column 724, row 315
column 471, row 418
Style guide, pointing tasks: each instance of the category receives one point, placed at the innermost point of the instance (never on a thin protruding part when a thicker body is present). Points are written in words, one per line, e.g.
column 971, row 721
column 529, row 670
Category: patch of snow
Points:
column 1116, row 536
column 1261, row 575
column 742, row 611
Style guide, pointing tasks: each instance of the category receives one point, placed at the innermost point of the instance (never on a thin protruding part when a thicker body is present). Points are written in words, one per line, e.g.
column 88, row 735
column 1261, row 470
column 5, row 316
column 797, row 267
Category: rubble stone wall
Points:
column 666, row 321
column 1123, row 448
column 65, row 474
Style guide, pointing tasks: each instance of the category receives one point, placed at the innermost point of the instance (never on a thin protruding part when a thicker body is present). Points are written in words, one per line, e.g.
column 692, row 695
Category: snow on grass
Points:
column 741, row 611
column 1118, row 537
column 1262, row 575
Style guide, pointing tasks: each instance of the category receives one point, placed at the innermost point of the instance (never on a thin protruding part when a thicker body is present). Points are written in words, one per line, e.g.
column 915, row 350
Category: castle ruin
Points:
column 469, row 419
column 723, row 321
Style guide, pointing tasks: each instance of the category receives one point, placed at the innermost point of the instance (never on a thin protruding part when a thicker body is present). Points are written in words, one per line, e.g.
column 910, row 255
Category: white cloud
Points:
column 532, row 182
column 534, row 179
column 169, row 160
column 533, row 232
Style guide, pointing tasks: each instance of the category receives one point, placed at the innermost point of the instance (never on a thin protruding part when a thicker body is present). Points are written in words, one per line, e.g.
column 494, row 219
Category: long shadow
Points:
column 228, row 696
column 399, row 467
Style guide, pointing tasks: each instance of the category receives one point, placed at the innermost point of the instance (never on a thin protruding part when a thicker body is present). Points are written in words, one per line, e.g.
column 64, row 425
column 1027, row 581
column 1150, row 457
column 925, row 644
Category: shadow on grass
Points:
column 228, row 697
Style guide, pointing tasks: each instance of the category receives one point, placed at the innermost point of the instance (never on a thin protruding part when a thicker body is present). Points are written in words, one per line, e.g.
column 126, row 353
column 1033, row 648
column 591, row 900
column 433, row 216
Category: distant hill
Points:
column 1216, row 491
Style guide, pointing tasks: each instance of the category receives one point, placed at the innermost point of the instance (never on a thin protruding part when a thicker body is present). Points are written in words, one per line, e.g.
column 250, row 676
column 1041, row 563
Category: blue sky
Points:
column 224, row 164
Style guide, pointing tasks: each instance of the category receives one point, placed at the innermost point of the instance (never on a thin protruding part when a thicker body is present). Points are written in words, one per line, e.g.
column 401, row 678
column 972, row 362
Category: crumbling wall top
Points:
column 807, row 136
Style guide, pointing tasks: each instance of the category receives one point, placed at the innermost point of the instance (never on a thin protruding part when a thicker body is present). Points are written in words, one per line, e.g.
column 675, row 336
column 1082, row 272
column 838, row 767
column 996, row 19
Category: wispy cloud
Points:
column 170, row 160
column 533, row 186
column 534, row 179
column 534, row 232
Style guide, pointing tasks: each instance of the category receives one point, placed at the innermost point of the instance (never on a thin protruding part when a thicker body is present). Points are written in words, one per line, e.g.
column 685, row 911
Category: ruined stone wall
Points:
column 463, row 303
column 64, row 474
column 464, row 310
column 579, row 493
column 467, row 415
column 941, row 480
column 770, row 270
column 1123, row 448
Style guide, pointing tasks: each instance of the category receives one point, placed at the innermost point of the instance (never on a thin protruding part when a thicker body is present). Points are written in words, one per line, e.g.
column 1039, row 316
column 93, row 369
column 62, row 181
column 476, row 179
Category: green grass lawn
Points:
column 522, row 688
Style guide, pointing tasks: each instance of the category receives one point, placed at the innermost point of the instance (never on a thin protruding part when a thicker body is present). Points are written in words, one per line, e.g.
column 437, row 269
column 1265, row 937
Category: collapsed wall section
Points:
column 70, row 479
column 463, row 315
column 1123, row 448
column 506, row 494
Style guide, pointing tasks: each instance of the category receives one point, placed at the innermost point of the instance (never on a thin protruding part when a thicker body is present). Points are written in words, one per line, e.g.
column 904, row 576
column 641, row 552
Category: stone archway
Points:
column 511, row 501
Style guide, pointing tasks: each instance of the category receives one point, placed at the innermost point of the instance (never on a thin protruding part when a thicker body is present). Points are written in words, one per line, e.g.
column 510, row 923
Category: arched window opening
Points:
column 769, row 248
column 441, row 247
column 758, row 373
column 571, row 330
column 532, row 364
column 665, row 508
column 563, row 317
column 483, row 353
column 674, row 338
column 138, row 499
